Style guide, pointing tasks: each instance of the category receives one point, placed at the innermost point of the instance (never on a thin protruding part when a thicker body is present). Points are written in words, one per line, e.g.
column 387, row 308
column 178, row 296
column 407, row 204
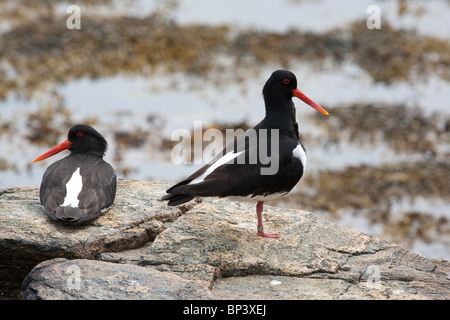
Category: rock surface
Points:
column 143, row 249
column 313, row 259
column 88, row 279
column 28, row 236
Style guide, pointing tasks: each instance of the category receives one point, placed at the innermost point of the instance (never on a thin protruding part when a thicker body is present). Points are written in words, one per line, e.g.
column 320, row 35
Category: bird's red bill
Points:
column 308, row 101
column 62, row 146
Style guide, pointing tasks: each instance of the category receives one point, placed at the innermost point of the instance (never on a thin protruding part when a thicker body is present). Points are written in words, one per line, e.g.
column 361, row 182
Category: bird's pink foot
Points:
column 267, row 235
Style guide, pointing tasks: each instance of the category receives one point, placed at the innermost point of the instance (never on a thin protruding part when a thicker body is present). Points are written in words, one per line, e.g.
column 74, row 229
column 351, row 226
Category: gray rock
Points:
column 62, row 279
column 313, row 259
column 28, row 236
column 143, row 249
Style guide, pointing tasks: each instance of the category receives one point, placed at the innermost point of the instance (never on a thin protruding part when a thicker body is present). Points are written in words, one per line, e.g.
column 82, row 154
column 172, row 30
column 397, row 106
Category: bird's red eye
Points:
column 286, row 81
column 79, row 134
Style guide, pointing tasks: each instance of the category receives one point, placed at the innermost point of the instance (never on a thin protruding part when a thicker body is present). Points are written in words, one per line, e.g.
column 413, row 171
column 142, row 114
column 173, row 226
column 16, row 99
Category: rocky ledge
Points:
column 143, row 249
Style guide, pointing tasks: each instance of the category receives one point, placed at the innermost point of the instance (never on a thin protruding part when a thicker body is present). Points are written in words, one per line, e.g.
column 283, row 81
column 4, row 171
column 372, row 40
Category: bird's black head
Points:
column 281, row 87
column 81, row 139
column 85, row 139
column 281, row 84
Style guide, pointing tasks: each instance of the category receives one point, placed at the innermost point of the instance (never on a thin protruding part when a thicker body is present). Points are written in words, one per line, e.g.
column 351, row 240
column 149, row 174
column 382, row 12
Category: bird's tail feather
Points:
column 70, row 214
column 176, row 199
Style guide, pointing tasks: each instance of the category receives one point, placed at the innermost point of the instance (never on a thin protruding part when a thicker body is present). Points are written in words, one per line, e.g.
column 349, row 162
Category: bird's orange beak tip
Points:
column 297, row 93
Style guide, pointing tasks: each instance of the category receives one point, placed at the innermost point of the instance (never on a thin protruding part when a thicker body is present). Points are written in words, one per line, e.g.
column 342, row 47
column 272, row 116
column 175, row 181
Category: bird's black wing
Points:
column 97, row 194
column 99, row 190
column 53, row 186
column 241, row 176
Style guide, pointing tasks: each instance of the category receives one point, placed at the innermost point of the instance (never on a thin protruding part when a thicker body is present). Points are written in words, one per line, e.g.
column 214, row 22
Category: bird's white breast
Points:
column 300, row 154
column 73, row 189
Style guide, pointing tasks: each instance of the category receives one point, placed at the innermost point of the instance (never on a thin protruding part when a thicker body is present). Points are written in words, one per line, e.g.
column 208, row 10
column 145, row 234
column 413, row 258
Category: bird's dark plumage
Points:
column 81, row 186
column 241, row 171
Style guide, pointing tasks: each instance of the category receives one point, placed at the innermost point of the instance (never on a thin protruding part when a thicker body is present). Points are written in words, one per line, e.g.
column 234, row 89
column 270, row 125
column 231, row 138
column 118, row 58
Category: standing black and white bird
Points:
column 243, row 170
column 81, row 186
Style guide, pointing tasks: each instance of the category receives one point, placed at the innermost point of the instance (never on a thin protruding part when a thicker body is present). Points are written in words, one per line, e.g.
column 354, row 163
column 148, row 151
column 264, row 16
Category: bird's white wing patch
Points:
column 73, row 189
column 227, row 157
column 300, row 154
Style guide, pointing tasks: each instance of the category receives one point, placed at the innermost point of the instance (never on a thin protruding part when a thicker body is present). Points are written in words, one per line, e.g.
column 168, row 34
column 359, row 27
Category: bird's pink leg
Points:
column 260, row 232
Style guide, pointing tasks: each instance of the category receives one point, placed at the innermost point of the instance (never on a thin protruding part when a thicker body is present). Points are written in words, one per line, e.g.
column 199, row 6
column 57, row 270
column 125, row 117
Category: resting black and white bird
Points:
column 244, row 170
column 81, row 186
